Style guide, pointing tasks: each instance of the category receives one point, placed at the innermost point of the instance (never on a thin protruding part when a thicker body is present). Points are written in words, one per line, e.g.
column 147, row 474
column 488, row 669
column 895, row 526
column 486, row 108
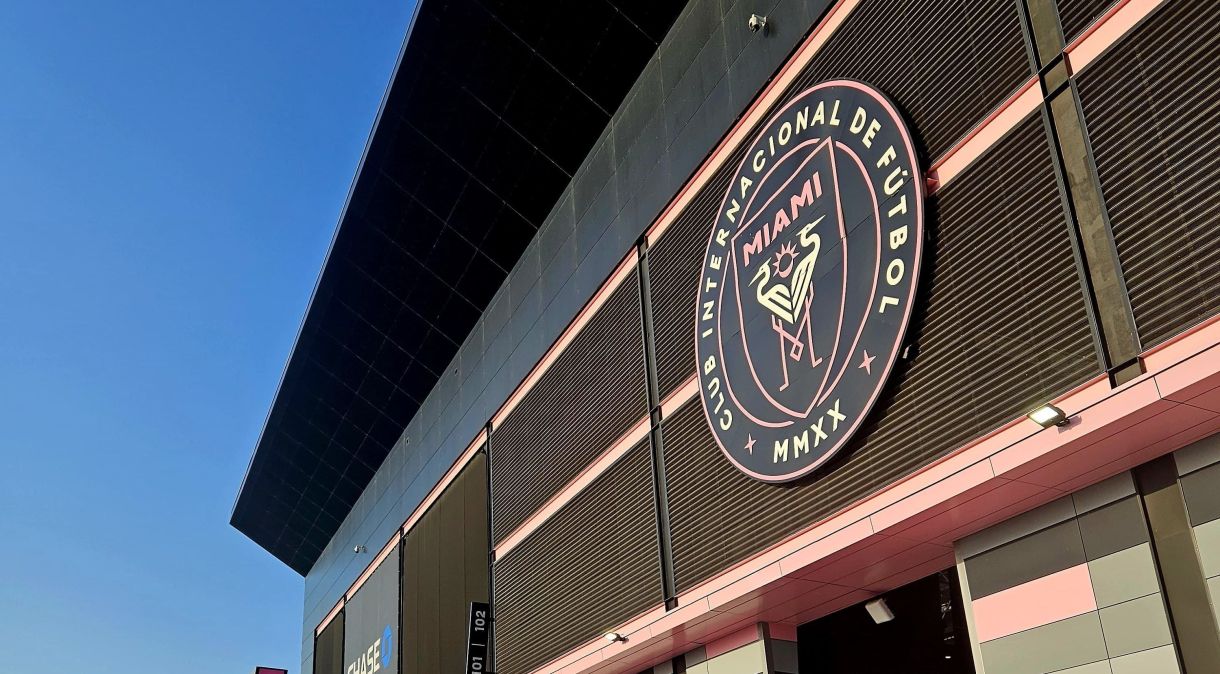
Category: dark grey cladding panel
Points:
column 648, row 167
column 1041, row 554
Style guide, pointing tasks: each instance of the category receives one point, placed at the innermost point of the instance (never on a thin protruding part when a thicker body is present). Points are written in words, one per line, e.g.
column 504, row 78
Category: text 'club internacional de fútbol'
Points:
column 782, row 337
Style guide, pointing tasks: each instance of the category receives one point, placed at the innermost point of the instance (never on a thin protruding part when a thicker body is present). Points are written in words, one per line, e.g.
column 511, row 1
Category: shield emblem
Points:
column 789, row 259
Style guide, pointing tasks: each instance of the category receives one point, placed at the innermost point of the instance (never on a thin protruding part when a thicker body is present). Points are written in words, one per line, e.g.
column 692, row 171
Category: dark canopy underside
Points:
column 493, row 107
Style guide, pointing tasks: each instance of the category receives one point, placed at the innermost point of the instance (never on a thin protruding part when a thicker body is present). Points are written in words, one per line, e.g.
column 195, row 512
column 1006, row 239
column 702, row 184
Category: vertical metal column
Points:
column 1092, row 237
column 1177, row 559
column 655, row 438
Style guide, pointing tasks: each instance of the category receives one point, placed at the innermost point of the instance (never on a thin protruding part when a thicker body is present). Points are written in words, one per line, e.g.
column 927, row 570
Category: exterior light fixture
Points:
column 359, row 549
column 613, row 637
column 1048, row 415
column 879, row 611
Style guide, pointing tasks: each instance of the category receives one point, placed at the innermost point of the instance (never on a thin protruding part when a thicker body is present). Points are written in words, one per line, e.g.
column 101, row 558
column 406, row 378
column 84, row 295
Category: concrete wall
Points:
column 702, row 77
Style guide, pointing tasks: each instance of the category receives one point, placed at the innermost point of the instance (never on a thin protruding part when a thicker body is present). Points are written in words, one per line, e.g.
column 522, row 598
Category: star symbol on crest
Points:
column 750, row 444
column 867, row 363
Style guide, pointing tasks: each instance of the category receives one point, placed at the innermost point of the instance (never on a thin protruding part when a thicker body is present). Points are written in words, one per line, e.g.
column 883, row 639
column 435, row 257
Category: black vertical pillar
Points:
column 1173, row 545
column 654, row 434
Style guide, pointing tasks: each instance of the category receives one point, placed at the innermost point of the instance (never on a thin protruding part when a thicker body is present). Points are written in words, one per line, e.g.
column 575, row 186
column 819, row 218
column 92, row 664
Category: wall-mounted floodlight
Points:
column 1048, row 415
column 879, row 611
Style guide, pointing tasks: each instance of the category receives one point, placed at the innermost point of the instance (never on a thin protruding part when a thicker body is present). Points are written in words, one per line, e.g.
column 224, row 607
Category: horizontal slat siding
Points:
column 1152, row 112
column 589, row 397
column 673, row 267
column 590, row 567
column 1003, row 327
column 1077, row 15
column 946, row 63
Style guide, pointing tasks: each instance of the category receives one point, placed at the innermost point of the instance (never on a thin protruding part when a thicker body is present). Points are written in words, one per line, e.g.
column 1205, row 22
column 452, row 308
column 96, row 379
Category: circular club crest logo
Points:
column 808, row 280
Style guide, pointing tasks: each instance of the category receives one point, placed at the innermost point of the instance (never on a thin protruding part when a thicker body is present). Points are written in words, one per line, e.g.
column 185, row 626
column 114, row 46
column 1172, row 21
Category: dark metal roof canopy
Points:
column 492, row 109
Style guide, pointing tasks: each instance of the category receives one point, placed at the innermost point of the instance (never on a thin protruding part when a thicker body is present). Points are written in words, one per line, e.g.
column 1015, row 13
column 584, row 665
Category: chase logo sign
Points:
column 808, row 280
column 376, row 657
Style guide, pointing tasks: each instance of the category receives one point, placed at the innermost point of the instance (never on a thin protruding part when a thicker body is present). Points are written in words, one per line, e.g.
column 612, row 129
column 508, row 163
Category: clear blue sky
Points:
column 170, row 176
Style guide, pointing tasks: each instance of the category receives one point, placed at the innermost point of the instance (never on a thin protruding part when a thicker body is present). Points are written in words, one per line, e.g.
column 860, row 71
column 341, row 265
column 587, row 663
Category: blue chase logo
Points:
column 376, row 657
column 387, row 646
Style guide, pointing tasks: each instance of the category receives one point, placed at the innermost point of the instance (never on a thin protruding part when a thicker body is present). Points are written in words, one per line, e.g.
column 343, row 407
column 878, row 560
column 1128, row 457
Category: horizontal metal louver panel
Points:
column 589, row 397
column 946, row 63
column 673, row 268
column 1077, row 15
column 990, row 346
column 590, row 567
column 1151, row 109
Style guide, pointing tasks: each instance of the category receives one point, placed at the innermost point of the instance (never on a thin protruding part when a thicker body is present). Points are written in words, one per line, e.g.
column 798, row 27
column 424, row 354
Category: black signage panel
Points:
column 477, row 631
column 371, row 622
column 808, row 281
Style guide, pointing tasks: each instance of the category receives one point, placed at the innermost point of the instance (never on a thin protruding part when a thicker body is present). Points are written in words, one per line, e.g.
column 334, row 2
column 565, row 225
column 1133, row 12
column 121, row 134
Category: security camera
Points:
column 757, row 23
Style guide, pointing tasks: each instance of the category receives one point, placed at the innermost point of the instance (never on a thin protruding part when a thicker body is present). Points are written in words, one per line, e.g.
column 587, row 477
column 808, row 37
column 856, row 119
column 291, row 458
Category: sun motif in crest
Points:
column 784, row 260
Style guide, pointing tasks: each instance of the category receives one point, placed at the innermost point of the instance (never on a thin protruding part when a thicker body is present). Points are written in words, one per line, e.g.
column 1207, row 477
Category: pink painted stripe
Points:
column 588, row 475
column 1107, row 31
column 986, row 134
column 375, row 564
column 450, row 475
column 1039, row 602
column 620, row 273
column 334, row 612
column 679, row 396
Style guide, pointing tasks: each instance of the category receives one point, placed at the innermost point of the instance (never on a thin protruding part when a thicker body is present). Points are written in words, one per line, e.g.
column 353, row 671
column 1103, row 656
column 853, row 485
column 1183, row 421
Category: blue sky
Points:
column 170, row 177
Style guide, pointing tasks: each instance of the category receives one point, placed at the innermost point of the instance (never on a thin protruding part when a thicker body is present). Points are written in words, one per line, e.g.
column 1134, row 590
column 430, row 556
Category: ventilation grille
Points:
column 946, row 63
column 590, row 567
column 591, row 395
column 1151, row 109
column 991, row 346
column 673, row 268
column 1077, row 15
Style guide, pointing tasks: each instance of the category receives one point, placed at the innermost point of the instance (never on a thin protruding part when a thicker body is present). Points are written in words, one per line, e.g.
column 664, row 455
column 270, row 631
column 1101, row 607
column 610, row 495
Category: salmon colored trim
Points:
column 986, row 134
column 782, row 631
column 443, row 484
column 374, row 565
column 1039, row 602
column 1107, row 31
column 419, row 511
column 908, row 528
column 1161, row 355
column 611, row 284
column 770, row 94
column 334, row 613
column 603, row 463
column 679, row 396
column 732, row 642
